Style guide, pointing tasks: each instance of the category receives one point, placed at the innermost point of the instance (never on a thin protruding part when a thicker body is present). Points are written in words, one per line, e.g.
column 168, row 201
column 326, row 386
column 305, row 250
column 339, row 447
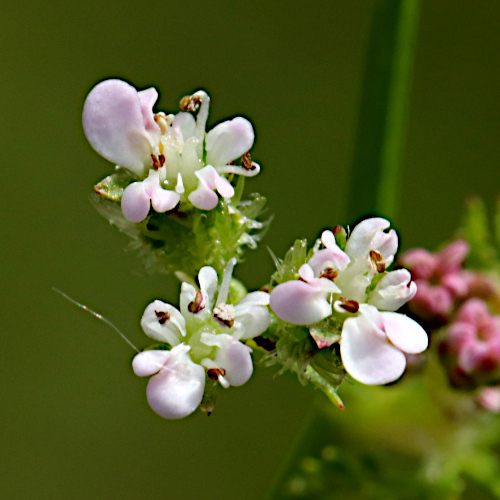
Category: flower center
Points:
column 224, row 314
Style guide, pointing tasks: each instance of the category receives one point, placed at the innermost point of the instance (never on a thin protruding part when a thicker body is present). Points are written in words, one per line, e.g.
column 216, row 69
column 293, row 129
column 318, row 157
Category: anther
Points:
column 215, row 373
column 224, row 314
column 377, row 261
column 351, row 306
column 162, row 316
column 198, row 303
column 158, row 161
column 246, row 162
column 329, row 274
column 190, row 102
column 163, row 121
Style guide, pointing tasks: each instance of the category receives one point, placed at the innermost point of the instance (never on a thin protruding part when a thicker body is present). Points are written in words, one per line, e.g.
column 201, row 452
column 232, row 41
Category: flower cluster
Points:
column 172, row 157
column 353, row 286
column 470, row 349
column 199, row 342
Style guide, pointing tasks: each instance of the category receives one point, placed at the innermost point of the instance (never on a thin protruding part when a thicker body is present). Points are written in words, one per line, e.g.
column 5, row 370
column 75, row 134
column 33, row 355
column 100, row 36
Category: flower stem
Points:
column 382, row 120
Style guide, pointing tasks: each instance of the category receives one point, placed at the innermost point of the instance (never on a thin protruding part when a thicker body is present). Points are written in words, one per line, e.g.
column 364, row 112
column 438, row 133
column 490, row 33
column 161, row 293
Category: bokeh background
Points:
column 74, row 422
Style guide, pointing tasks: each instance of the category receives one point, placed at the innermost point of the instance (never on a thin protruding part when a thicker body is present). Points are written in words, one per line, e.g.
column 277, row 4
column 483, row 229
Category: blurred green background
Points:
column 74, row 420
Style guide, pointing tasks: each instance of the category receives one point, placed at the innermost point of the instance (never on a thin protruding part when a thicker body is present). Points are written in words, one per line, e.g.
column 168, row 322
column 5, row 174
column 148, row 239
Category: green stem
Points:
column 377, row 158
column 381, row 129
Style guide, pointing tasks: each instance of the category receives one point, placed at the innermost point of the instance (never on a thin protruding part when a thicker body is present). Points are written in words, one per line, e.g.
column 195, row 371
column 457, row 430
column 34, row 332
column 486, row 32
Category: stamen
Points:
column 163, row 121
column 351, row 306
column 226, row 282
column 162, row 316
column 224, row 314
column 190, row 102
column 246, row 161
column 377, row 261
column 329, row 273
column 215, row 373
column 158, row 161
column 179, row 188
column 198, row 303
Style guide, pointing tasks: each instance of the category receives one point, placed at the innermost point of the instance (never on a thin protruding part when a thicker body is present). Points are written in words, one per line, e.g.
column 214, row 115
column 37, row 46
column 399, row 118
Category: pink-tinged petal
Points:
column 431, row 302
column 114, row 125
column 135, row 202
column 231, row 355
column 147, row 99
column 405, row 333
column 360, row 242
column 489, row 399
column 456, row 284
column 164, row 200
column 163, row 322
column 367, row 355
column 177, row 390
column 300, row 303
column 184, row 125
column 393, row 291
column 224, row 187
column 147, row 363
column 452, row 257
column 342, row 259
column 228, row 141
column 306, row 272
column 473, row 311
column 420, row 262
column 203, row 198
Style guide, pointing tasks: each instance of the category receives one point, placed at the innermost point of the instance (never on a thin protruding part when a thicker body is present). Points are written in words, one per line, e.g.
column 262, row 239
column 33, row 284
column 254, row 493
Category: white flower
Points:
column 369, row 250
column 184, row 163
column 205, row 338
column 373, row 344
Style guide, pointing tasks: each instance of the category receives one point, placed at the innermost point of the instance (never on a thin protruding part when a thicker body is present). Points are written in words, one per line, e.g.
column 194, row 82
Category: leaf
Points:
column 113, row 185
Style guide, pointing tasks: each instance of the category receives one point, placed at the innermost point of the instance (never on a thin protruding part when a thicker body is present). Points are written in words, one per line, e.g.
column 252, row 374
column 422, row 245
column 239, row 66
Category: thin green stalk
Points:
column 381, row 131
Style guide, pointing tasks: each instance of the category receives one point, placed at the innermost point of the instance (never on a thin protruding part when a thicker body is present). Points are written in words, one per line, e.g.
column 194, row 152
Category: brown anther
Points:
column 198, row 303
column 190, row 102
column 158, row 161
column 351, row 306
column 266, row 344
column 246, row 161
column 215, row 373
column 377, row 261
column 329, row 273
column 224, row 314
column 265, row 288
column 162, row 316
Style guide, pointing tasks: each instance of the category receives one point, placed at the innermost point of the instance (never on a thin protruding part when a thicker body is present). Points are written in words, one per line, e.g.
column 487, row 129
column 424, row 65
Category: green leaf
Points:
column 112, row 186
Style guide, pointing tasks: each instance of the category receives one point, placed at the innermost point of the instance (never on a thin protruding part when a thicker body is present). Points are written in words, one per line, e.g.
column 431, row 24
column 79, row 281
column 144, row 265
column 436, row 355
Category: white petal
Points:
column 147, row 363
column 229, row 140
column 361, row 240
column 177, row 390
column 254, row 317
column 300, row 303
column 341, row 258
column 135, row 202
column 231, row 355
column 393, row 291
column 207, row 277
column 203, row 198
column 367, row 355
column 224, row 187
column 170, row 327
column 405, row 333
column 184, row 125
column 164, row 200
column 113, row 122
column 255, row 298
